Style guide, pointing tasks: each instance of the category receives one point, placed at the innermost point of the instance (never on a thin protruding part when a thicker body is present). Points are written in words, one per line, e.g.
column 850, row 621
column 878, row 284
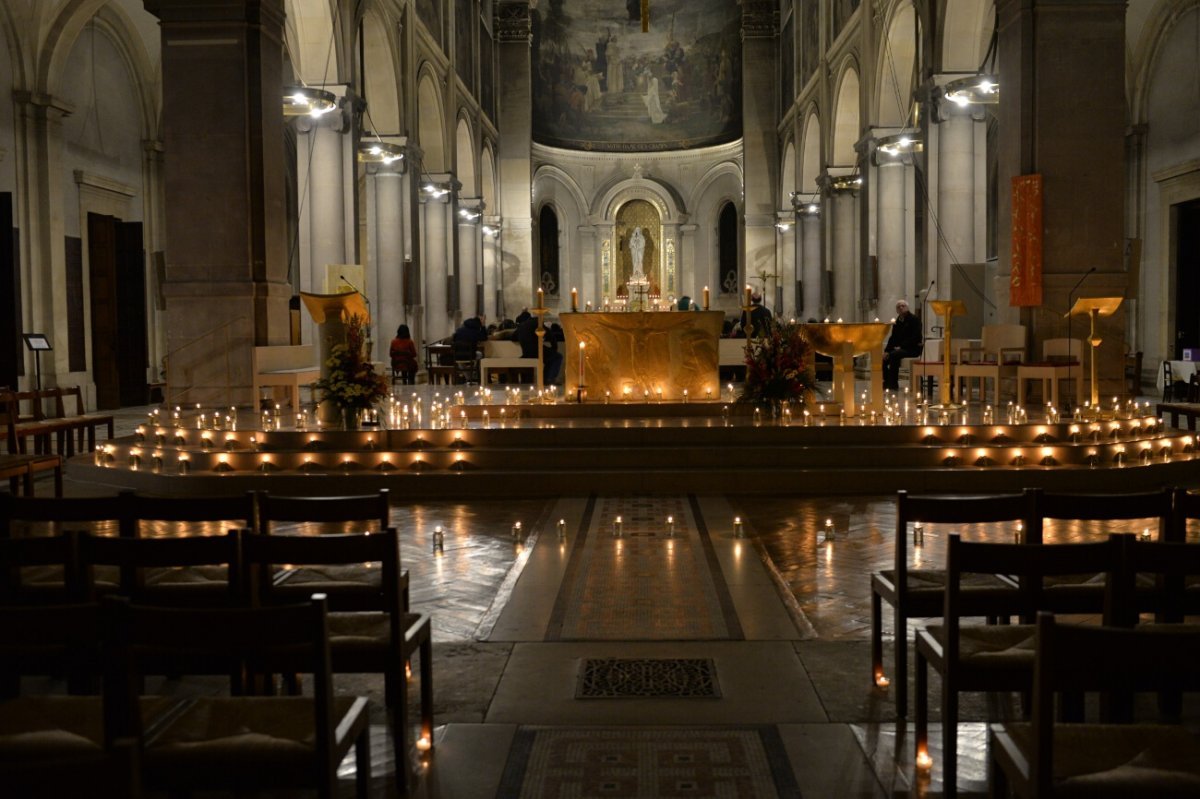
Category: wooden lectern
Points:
column 947, row 309
column 331, row 312
column 1094, row 308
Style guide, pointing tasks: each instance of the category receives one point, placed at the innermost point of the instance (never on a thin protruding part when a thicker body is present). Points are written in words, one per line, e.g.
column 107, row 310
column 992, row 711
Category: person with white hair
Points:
column 905, row 342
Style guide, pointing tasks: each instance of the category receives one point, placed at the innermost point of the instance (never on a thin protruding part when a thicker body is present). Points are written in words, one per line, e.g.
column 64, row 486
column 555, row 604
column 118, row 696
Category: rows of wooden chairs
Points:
column 17, row 465
column 128, row 551
column 918, row 593
column 234, row 742
column 67, row 430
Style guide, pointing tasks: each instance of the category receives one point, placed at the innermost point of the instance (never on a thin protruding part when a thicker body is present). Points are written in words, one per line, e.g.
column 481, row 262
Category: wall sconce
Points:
column 379, row 152
column 845, row 182
column 974, row 90
column 299, row 101
column 805, row 207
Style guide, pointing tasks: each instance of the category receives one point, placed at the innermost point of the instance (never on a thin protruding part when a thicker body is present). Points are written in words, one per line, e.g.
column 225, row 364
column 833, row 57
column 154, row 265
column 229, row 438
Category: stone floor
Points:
column 797, row 661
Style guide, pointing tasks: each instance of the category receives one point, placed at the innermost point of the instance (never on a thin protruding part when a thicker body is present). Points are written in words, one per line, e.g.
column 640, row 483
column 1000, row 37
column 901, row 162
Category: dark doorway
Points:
column 118, row 292
column 548, row 250
column 727, row 249
column 10, row 296
column 1187, row 277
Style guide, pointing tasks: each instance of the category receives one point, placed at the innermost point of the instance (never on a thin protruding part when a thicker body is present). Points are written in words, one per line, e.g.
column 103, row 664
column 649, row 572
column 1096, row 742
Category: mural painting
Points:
column 600, row 83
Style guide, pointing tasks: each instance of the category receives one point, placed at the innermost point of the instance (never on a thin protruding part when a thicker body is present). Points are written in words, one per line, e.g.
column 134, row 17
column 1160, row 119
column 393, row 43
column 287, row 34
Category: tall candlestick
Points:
column 582, row 346
column 574, row 300
column 747, row 302
column 541, row 298
column 706, row 298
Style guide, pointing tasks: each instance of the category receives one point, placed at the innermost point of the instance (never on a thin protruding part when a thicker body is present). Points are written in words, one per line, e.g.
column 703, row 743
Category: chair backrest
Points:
column 1076, row 658
column 1172, row 564
column 1156, row 505
column 1004, row 342
column 262, row 553
column 1066, row 349
column 1185, row 506
column 8, row 415
column 911, row 508
column 1030, row 564
column 1167, row 380
column 284, row 639
column 134, row 555
column 932, row 350
column 21, row 555
column 49, row 640
column 354, row 510
column 19, row 514
column 188, row 515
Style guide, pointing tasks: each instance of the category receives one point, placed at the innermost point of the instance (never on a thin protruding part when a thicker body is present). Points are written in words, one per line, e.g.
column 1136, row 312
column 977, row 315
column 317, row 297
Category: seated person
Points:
column 551, row 357
column 905, row 342
column 467, row 338
column 403, row 352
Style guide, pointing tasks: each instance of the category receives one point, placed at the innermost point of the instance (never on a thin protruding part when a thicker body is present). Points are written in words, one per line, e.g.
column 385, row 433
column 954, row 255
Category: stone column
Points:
column 692, row 275
column 844, row 262
column 786, row 266
column 385, row 250
column 893, row 218
column 1048, row 49
column 955, row 196
column 226, row 288
column 325, row 168
column 491, row 268
column 760, row 89
column 435, row 246
column 514, row 155
column 38, row 214
column 468, row 256
column 811, row 267
column 589, row 270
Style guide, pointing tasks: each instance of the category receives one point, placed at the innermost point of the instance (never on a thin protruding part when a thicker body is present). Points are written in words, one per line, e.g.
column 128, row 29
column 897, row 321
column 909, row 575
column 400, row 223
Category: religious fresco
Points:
column 600, row 83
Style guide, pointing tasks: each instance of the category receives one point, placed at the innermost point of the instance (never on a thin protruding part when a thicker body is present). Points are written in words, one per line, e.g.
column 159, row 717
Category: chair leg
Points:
column 900, row 647
column 399, row 713
column 427, row 688
column 876, row 636
column 998, row 787
column 949, row 737
column 362, row 763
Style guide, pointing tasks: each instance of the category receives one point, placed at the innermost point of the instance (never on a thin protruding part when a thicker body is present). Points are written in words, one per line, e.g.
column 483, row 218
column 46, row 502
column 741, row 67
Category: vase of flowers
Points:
column 778, row 367
column 352, row 384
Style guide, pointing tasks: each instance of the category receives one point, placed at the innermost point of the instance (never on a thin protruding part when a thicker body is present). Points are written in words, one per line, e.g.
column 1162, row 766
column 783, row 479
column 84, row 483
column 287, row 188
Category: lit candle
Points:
column 574, row 300
column 541, row 297
column 516, row 531
column 739, row 531
column 706, row 298
column 582, row 347
column 670, row 526
column 830, row 534
column 618, row 526
column 562, row 529
column 439, row 540
column 747, row 303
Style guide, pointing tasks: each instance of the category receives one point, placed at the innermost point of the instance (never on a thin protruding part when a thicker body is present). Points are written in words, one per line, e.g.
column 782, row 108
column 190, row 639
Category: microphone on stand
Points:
column 1070, row 304
column 924, row 316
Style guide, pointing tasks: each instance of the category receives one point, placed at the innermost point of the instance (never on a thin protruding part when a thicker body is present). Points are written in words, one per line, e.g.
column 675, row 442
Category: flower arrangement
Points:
column 778, row 366
column 352, row 381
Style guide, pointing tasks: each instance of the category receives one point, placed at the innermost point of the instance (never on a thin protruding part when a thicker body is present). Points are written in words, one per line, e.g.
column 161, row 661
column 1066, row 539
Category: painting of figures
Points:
column 600, row 83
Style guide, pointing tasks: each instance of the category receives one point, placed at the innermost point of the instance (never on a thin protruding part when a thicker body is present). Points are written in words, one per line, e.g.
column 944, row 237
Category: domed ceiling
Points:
column 601, row 83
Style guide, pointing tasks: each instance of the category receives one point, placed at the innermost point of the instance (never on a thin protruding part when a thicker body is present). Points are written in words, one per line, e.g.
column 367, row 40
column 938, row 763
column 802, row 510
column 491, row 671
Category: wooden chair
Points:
column 1133, row 374
column 1061, row 360
column 42, row 571
column 1084, row 593
column 1046, row 759
column 1001, row 351
column 351, row 513
column 189, row 571
column 80, row 421
column 204, row 746
column 916, row 593
column 187, row 515
column 1185, row 506
column 369, row 629
column 112, row 773
column 25, row 516
column 1168, row 382
column 18, row 465
column 978, row 657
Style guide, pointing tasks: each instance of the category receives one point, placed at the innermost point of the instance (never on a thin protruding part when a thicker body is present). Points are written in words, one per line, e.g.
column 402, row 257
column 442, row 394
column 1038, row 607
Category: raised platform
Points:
column 550, row 450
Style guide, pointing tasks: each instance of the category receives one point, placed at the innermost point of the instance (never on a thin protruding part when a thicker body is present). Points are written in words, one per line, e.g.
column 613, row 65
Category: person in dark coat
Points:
column 905, row 342
column 551, row 357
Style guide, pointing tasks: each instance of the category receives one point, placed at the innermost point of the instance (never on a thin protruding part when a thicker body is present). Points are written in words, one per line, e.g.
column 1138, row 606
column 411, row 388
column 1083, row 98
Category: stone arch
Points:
column 19, row 69
column 309, row 40
column 810, row 153
column 547, row 179
column 897, row 68
column 464, row 158
column 965, row 33
column 654, row 191
column 380, row 86
column 115, row 24
column 705, row 186
column 431, row 132
column 846, row 119
column 1144, row 60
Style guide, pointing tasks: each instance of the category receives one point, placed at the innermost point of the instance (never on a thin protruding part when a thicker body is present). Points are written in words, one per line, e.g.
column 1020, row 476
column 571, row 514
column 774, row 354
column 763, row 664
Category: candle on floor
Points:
column 670, row 527
column 439, row 540
column 562, row 529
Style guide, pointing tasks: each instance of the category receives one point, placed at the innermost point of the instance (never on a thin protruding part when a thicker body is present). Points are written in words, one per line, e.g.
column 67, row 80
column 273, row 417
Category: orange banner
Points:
column 1025, row 280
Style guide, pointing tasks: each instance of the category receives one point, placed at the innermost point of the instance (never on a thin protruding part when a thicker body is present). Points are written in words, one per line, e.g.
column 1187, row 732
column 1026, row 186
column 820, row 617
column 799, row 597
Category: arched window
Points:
column 727, row 248
column 548, row 250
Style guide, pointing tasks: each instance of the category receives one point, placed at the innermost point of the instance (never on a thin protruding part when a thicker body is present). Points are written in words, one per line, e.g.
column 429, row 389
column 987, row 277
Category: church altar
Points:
column 635, row 355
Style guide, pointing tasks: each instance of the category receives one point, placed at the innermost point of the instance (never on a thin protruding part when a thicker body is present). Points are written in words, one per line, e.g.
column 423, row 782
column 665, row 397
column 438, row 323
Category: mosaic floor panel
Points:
column 643, row 568
column 585, row 762
column 624, row 678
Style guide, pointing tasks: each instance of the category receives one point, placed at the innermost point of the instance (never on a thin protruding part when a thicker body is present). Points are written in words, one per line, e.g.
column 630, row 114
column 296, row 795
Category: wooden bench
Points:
column 504, row 356
column 290, row 366
column 17, row 464
column 1188, row 410
column 79, row 422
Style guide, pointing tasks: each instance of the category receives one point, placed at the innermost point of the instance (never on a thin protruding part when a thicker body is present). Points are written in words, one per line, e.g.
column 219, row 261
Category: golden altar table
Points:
column 642, row 353
column 843, row 341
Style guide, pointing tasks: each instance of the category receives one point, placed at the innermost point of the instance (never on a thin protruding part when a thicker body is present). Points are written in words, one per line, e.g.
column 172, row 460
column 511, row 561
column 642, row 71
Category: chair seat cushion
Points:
column 50, row 727
column 187, row 575
column 333, row 578
column 992, row 646
column 1100, row 760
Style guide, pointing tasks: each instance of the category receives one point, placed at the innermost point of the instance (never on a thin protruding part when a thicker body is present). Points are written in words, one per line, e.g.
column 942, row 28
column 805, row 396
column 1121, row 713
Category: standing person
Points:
column 760, row 317
column 404, row 356
column 905, row 342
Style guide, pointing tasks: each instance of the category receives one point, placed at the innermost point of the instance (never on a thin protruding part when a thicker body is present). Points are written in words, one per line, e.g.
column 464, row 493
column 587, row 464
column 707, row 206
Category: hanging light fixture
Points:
column 301, row 101
column 379, row 152
column 974, row 90
column 845, row 182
